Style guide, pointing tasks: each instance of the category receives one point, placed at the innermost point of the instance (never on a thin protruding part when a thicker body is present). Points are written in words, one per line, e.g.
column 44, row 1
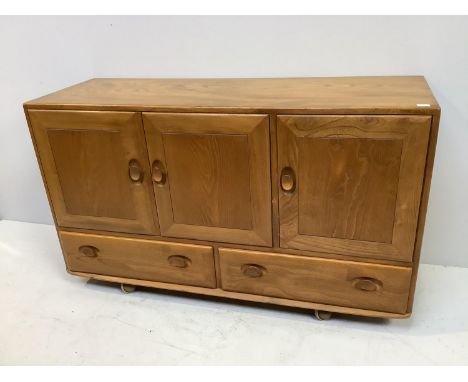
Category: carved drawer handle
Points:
column 179, row 261
column 367, row 284
column 158, row 173
column 89, row 250
column 288, row 180
column 135, row 172
column 253, row 270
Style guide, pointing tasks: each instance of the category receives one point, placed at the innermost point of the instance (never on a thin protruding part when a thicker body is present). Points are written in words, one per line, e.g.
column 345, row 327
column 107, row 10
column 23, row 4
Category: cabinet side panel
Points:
column 423, row 205
column 38, row 158
column 41, row 169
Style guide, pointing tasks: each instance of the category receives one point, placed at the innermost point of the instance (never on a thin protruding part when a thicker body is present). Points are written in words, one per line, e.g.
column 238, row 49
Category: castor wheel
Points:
column 127, row 288
column 322, row 315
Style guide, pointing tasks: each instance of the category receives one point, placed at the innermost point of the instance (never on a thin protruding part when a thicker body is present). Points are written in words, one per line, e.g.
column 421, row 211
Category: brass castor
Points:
column 126, row 288
column 322, row 315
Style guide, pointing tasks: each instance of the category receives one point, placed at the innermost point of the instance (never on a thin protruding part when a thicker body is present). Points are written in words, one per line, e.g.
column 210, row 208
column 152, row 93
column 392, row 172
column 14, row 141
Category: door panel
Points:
column 218, row 158
column 361, row 191
column 357, row 184
column 215, row 183
column 85, row 158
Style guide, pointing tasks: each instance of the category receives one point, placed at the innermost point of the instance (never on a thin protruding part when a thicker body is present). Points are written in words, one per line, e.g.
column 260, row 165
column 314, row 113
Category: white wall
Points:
column 44, row 54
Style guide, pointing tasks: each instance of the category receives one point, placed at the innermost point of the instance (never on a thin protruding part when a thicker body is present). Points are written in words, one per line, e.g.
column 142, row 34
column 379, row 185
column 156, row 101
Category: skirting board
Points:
column 217, row 292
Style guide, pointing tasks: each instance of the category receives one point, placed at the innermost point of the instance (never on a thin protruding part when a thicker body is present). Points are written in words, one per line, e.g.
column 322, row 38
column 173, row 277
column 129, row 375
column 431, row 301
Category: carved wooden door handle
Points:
column 135, row 172
column 158, row 173
column 288, row 180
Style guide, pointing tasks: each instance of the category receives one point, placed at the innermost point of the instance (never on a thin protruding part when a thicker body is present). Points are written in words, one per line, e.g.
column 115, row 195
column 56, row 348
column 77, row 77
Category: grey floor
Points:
column 48, row 317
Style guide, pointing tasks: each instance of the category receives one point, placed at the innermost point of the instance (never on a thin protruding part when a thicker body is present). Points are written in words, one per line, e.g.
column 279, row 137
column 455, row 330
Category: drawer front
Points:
column 326, row 281
column 139, row 259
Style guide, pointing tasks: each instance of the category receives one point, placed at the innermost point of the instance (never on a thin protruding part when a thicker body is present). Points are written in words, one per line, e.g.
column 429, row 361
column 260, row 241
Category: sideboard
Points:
column 304, row 192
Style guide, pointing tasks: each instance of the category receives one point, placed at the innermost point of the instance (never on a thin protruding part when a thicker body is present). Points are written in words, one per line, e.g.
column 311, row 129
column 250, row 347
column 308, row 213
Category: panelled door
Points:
column 211, row 175
column 96, row 167
column 351, row 184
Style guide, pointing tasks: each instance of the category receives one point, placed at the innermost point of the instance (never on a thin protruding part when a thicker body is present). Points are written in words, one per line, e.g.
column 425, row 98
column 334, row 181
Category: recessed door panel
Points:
column 353, row 184
column 96, row 168
column 211, row 185
column 357, row 183
column 211, row 176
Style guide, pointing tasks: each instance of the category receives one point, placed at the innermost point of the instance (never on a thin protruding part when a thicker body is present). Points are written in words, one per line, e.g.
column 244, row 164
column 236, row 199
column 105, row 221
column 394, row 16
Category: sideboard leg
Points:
column 126, row 288
column 322, row 315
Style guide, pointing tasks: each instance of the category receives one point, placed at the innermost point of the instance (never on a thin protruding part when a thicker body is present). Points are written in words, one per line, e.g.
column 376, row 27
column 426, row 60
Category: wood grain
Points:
column 340, row 95
column 344, row 202
column 347, row 185
column 85, row 158
column 88, row 162
column 218, row 176
column 209, row 179
column 316, row 280
column 142, row 259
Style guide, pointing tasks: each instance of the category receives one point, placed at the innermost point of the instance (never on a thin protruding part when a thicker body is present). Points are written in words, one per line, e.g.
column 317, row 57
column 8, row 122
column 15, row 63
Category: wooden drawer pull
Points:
column 179, row 261
column 288, row 180
column 135, row 171
column 158, row 173
column 89, row 250
column 367, row 284
column 253, row 270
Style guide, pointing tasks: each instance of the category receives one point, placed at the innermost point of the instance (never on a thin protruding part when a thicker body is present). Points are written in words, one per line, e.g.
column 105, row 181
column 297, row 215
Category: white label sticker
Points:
column 423, row 105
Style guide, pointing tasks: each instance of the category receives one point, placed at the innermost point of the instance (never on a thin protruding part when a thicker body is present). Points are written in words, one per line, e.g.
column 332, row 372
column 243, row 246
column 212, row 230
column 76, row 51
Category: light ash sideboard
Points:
column 304, row 192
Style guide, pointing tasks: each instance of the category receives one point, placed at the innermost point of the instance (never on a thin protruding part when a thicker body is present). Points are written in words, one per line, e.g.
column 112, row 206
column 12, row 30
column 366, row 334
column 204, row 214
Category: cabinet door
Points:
column 351, row 184
column 96, row 168
column 211, row 176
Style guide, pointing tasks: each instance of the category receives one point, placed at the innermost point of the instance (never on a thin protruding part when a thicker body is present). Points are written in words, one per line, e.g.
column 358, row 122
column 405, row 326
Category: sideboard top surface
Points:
column 392, row 95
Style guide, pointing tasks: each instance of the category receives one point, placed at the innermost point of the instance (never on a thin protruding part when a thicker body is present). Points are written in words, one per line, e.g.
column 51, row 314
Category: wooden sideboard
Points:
column 304, row 192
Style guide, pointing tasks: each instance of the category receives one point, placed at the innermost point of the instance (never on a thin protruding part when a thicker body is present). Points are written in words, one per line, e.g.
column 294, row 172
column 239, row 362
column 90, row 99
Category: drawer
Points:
column 139, row 259
column 325, row 281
